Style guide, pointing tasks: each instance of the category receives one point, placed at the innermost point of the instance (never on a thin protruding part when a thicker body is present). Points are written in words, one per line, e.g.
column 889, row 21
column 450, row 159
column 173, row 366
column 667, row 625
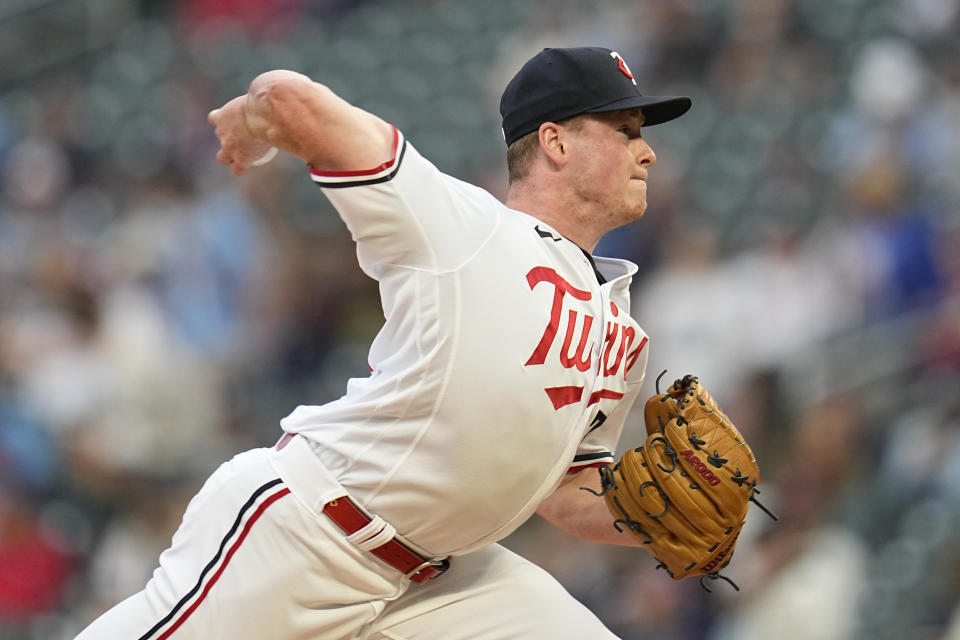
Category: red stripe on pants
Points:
column 233, row 549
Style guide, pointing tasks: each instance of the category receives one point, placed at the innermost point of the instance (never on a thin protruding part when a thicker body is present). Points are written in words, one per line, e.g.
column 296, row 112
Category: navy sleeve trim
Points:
column 586, row 457
column 376, row 175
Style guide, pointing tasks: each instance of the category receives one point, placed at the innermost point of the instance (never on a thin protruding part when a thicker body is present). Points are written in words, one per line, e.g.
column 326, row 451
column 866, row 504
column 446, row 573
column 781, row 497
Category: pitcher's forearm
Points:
column 307, row 119
column 288, row 110
column 583, row 514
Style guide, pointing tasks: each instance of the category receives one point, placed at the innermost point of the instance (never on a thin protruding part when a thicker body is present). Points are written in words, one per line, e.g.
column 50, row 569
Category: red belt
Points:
column 351, row 519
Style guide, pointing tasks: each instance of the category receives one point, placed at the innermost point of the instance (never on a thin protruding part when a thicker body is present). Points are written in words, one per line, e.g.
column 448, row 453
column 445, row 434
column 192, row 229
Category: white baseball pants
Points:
column 255, row 558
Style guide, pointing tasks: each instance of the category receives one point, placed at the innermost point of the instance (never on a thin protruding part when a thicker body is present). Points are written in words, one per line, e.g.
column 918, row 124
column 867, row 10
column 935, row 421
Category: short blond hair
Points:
column 521, row 153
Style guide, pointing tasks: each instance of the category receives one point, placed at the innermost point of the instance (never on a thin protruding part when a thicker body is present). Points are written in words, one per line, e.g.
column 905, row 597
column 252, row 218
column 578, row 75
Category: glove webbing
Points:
column 716, row 460
column 607, row 482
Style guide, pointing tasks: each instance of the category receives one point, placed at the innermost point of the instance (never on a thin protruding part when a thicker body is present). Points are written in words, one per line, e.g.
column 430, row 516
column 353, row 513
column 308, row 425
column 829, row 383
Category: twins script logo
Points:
column 616, row 357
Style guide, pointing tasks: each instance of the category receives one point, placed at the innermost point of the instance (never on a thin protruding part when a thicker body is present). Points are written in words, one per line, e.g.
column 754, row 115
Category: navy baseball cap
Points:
column 557, row 84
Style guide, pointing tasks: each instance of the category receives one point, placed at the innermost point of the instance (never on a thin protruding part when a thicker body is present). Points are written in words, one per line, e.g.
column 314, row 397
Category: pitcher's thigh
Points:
column 492, row 594
column 249, row 562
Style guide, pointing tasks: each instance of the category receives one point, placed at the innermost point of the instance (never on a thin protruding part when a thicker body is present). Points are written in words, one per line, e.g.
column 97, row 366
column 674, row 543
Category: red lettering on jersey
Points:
column 617, row 350
column 545, row 274
column 611, row 338
column 603, row 393
column 632, row 358
column 562, row 396
column 577, row 359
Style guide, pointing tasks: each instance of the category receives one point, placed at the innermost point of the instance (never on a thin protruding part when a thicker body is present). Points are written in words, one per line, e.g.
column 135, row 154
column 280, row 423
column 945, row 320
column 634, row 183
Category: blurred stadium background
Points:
column 158, row 315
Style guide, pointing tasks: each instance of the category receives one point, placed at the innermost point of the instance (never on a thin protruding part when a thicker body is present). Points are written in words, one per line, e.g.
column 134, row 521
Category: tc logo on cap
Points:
column 623, row 66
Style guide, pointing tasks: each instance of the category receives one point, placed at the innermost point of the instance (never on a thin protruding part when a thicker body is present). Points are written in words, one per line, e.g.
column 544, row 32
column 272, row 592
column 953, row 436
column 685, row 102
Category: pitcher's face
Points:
column 609, row 162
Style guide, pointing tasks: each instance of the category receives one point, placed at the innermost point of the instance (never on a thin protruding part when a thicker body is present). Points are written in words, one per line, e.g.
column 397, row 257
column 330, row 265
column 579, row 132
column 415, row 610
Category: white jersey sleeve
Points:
column 406, row 213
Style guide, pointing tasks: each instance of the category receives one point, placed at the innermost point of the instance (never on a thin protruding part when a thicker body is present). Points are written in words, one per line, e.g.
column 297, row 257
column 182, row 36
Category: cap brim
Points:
column 656, row 109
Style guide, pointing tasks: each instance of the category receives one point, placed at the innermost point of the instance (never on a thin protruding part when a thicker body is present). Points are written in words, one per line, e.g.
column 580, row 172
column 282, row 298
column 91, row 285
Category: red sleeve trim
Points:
column 586, row 466
column 363, row 172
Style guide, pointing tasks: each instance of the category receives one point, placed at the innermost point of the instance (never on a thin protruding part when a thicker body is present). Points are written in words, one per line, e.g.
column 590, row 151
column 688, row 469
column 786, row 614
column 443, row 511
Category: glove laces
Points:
column 753, row 499
column 716, row 576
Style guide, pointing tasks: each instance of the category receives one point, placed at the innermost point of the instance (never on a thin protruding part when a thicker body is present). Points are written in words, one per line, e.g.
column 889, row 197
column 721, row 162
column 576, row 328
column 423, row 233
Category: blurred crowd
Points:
column 801, row 253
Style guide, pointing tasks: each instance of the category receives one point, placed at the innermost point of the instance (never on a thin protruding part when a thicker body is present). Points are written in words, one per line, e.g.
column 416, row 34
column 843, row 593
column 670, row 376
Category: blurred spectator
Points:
column 125, row 555
column 256, row 16
column 34, row 569
column 806, row 562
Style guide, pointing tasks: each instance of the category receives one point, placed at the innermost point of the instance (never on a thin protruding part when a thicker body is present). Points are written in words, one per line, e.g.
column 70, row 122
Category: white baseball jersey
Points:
column 502, row 364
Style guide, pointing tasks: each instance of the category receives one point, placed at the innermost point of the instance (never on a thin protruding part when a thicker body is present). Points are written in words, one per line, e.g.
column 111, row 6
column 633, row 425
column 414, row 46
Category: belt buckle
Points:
column 417, row 575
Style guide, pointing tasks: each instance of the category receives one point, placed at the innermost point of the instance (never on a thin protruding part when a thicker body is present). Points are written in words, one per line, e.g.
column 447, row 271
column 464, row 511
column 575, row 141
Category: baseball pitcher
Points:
column 499, row 386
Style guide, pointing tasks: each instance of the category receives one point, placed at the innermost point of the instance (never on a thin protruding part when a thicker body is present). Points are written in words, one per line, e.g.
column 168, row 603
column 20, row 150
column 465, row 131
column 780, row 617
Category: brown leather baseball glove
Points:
column 686, row 490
